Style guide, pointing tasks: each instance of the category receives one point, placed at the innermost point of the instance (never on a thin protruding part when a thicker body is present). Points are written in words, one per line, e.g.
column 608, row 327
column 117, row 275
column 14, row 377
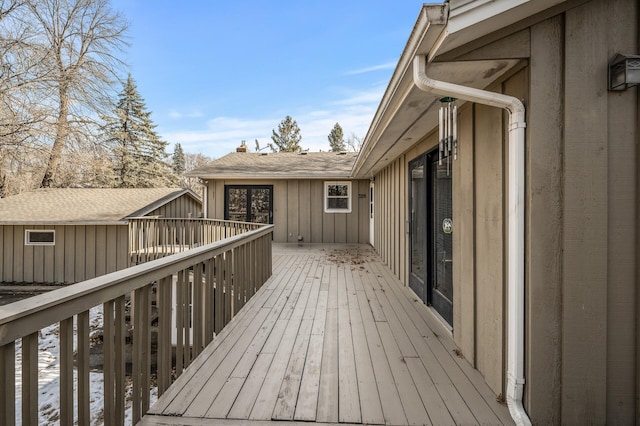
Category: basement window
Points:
column 39, row 237
column 337, row 197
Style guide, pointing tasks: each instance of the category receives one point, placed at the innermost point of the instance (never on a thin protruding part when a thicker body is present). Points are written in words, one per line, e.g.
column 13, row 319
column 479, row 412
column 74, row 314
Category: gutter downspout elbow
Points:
column 515, row 254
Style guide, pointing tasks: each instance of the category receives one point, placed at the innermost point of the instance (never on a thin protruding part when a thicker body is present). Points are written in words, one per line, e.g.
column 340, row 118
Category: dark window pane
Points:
column 338, row 203
column 338, row 190
column 41, row 237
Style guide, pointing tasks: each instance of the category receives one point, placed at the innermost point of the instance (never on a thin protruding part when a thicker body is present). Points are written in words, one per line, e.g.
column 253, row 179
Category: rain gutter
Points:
column 516, row 190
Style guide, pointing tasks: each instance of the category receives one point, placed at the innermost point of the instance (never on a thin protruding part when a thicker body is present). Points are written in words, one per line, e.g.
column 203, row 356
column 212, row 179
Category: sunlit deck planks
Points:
column 332, row 337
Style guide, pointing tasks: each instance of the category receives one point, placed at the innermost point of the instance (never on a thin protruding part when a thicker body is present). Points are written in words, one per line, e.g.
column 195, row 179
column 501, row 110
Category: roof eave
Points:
column 327, row 176
column 162, row 201
column 62, row 222
column 431, row 22
column 448, row 26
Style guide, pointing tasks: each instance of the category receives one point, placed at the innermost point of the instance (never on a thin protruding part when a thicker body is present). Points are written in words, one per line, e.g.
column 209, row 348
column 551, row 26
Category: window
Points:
column 249, row 203
column 40, row 238
column 337, row 197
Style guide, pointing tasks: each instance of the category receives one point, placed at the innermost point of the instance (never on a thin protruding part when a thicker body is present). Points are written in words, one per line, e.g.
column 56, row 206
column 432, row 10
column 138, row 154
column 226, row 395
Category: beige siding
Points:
column 544, row 231
column 582, row 216
column 489, row 240
column 479, row 200
column 80, row 252
column 183, row 206
column 585, row 215
column 623, row 203
column 464, row 289
column 298, row 210
column 600, row 200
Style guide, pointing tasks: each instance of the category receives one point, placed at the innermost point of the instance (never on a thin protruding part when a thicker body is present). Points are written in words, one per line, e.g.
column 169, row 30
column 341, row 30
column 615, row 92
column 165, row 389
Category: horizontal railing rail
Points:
column 151, row 238
column 191, row 296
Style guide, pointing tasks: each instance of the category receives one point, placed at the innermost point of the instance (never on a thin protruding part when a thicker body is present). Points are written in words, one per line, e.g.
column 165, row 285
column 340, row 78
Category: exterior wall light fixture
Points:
column 624, row 72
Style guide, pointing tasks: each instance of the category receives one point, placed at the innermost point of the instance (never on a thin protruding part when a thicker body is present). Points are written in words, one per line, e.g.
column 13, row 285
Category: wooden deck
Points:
column 332, row 337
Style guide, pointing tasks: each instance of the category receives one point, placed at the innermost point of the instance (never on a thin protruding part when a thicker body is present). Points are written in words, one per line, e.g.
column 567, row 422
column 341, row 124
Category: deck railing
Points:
column 151, row 238
column 201, row 288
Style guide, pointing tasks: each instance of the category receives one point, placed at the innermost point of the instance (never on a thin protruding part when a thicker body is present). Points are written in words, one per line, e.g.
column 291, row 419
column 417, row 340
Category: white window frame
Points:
column 28, row 242
column 326, row 197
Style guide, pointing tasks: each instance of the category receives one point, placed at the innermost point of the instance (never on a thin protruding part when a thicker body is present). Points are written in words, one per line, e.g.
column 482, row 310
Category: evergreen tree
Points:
column 287, row 138
column 336, row 139
column 139, row 153
column 179, row 163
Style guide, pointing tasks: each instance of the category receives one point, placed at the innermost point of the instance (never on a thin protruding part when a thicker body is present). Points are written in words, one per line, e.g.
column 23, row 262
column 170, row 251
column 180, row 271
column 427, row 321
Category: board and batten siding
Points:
column 298, row 210
column 582, row 218
column 479, row 218
column 183, row 206
column 80, row 252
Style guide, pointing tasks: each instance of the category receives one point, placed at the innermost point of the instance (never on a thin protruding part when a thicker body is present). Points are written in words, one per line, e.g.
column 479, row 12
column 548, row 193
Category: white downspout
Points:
column 515, row 255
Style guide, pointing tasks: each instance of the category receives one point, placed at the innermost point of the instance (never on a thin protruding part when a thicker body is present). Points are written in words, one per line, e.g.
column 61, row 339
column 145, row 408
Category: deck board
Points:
column 332, row 337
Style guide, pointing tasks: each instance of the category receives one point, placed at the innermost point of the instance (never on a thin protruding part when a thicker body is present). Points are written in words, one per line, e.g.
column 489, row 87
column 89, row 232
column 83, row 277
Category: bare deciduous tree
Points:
column 20, row 98
column 82, row 39
column 193, row 161
column 354, row 143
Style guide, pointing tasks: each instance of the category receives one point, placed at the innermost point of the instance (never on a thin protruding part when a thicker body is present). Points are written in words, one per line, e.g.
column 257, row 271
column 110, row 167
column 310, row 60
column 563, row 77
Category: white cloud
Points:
column 222, row 135
column 385, row 66
column 177, row 115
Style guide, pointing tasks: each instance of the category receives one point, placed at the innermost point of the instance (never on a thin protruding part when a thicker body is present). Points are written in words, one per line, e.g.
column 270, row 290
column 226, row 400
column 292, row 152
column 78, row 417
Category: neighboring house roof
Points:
column 279, row 165
column 84, row 206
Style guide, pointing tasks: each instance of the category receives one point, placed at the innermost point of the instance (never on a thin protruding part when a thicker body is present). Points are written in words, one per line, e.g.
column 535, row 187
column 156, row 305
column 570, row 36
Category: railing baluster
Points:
column 179, row 321
column 8, row 384
column 108, row 345
column 145, row 356
column 66, row 371
column 84, row 416
column 30, row 379
column 209, row 310
column 187, row 290
column 198, row 317
column 119, row 360
column 164, row 334
column 228, row 286
column 218, row 299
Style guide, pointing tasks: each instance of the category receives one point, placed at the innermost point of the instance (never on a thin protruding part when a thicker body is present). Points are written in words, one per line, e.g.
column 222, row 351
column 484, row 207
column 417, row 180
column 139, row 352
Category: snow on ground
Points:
column 49, row 378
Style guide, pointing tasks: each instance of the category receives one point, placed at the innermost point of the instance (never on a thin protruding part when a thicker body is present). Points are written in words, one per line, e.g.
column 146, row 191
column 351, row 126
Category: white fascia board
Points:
column 481, row 17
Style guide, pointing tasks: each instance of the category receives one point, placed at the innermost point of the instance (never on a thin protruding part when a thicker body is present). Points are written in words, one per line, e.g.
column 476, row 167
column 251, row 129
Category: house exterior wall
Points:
column 298, row 209
column 582, row 199
column 183, row 206
column 479, row 189
column 80, row 252
column 600, row 200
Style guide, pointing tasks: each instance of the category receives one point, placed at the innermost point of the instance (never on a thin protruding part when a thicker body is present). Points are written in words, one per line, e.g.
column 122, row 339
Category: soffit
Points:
column 406, row 114
column 417, row 114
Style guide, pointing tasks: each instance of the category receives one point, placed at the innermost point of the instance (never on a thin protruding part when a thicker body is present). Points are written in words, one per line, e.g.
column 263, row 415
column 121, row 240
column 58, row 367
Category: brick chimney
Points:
column 242, row 147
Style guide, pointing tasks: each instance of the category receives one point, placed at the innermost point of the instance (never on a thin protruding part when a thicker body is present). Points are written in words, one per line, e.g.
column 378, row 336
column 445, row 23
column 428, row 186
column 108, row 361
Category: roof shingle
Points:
column 279, row 165
column 82, row 205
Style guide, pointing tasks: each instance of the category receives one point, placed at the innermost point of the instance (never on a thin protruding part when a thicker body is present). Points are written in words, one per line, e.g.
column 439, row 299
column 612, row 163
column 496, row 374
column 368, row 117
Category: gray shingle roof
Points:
column 80, row 205
column 280, row 165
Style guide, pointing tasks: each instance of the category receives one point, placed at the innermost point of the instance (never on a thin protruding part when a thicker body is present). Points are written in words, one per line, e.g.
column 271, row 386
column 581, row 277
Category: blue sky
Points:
column 216, row 72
